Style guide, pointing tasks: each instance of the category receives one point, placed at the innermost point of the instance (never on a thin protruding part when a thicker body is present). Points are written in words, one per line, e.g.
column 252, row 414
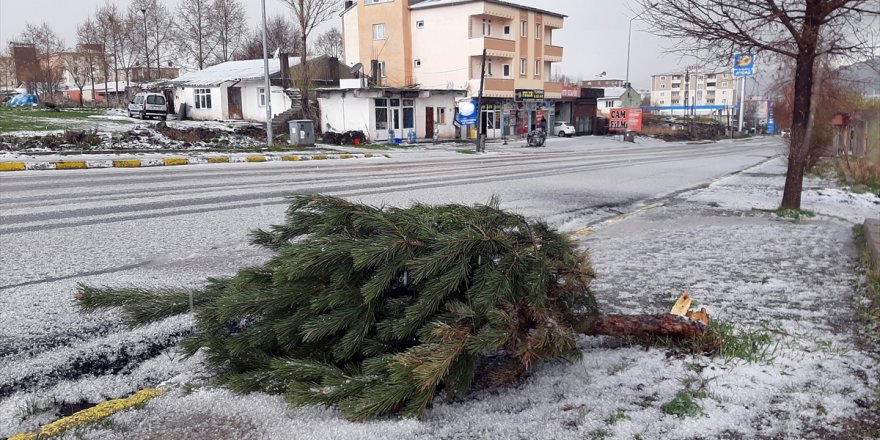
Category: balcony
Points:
column 553, row 90
column 499, row 84
column 552, row 53
column 495, row 47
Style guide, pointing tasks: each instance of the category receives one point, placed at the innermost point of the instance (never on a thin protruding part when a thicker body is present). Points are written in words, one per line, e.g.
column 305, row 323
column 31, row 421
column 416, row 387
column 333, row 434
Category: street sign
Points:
column 467, row 112
column 743, row 65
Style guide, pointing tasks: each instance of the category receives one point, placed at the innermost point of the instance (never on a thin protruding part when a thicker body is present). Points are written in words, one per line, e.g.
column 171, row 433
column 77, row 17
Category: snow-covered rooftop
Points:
column 613, row 92
column 435, row 3
column 230, row 71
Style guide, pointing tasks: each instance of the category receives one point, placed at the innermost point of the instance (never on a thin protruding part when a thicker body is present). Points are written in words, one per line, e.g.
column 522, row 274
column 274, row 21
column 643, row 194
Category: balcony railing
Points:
column 499, row 84
column 552, row 51
column 552, row 87
column 497, row 47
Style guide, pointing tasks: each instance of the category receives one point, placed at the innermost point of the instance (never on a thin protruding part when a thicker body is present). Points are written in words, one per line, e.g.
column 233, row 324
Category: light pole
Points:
column 629, row 40
column 269, row 134
column 146, row 48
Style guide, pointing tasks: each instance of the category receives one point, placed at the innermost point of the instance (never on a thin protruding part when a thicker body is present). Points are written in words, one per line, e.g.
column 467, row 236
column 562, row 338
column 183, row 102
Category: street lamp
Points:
column 629, row 39
column 146, row 49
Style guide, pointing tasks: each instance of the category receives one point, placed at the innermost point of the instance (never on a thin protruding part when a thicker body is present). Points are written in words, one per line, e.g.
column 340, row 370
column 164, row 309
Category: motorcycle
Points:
column 536, row 138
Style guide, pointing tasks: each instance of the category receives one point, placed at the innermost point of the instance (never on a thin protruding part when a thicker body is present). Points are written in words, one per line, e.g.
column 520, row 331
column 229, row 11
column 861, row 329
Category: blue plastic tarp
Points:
column 23, row 100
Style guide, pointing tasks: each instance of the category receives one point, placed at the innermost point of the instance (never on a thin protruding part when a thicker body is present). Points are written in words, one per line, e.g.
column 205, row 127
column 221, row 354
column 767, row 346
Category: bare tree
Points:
column 308, row 14
column 49, row 47
column 194, row 35
column 109, row 24
column 88, row 39
column 230, row 23
column 330, row 43
column 802, row 30
column 76, row 64
column 280, row 35
column 7, row 67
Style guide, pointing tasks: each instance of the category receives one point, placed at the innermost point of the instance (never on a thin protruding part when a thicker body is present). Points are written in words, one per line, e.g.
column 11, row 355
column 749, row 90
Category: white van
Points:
column 145, row 105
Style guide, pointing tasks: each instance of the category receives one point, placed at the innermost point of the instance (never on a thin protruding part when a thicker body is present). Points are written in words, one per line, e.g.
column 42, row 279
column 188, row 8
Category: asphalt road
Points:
column 174, row 226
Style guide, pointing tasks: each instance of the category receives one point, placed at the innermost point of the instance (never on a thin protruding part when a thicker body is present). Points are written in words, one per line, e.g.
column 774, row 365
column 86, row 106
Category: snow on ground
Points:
column 793, row 280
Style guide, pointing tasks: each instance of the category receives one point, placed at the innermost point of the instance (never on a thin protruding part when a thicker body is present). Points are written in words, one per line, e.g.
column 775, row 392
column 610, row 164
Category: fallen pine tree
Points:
column 377, row 310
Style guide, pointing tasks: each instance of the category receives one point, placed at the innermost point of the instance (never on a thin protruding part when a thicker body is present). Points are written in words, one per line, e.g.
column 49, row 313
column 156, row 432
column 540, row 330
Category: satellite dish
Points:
column 356, row 68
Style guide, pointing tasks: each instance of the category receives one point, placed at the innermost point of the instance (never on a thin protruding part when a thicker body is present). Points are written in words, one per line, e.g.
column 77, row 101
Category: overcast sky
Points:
column 594, row 34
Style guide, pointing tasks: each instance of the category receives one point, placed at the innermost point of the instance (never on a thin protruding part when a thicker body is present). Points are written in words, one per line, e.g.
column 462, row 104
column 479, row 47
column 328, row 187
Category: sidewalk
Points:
column 789, row 285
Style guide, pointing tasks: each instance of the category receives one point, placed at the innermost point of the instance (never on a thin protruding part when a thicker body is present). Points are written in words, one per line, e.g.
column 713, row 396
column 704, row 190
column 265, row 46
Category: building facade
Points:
column 703, row 92
column 438, row 45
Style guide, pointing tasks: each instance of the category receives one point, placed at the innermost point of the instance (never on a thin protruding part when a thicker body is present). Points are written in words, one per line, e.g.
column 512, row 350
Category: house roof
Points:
column 436, row 3
column 613, row 92
column 228, row 71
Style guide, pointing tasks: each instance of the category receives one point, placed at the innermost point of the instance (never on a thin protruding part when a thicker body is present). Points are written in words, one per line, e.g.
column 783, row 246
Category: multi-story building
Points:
column 708, row 91
column 434, row 48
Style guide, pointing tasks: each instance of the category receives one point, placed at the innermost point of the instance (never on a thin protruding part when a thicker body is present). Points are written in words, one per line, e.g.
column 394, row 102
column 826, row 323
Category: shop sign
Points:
column 528, row 95
column 625, row 119
column 571, row 92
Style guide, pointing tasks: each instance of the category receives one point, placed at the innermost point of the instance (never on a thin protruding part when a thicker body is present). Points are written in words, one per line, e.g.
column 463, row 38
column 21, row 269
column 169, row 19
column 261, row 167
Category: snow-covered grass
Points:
column 793, row 281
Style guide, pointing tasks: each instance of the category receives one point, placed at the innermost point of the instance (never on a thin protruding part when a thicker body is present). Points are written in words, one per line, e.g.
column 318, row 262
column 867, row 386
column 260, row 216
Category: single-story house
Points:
column 230, row 90
column 618, row 97
column 100, row 93
column 384, row 113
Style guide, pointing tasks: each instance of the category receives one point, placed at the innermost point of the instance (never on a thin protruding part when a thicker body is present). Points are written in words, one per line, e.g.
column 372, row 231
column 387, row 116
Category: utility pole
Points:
column 481, row 136
column 269, row 134
column 742, row 98
column 146, row 48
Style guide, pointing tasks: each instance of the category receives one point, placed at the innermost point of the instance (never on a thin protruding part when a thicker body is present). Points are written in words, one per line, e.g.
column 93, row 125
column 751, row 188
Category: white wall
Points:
column 350, row 33
column 187, row 95
column 447, row 101
column 250, row 101
column 440, row 45
column 347, row 113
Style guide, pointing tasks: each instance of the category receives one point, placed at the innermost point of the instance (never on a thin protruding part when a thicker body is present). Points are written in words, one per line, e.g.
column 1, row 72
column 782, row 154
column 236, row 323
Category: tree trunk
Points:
column 667, row 325
column 801, row 116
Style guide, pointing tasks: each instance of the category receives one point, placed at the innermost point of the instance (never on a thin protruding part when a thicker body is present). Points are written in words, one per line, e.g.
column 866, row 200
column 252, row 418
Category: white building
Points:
column 617, row 97
column 231, row 90
column 709, row 92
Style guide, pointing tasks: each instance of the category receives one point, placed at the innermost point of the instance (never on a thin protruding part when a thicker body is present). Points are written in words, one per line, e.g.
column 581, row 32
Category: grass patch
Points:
column 36, row 119
column 862, row 172
column 724, row 340
column 789, row 213
column 618, row 416
column 373, row 146
column 684, row 404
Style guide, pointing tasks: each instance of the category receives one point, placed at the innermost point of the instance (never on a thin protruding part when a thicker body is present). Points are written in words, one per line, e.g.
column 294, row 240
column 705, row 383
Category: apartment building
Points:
column 709, row 91
column 435, row 48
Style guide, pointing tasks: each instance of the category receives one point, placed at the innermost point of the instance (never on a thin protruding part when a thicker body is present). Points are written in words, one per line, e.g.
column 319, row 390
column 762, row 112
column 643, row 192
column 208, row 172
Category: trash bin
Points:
column 302, row 132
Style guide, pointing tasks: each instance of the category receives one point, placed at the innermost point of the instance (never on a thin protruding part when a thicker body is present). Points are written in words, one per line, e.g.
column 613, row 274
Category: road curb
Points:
column 175, row 160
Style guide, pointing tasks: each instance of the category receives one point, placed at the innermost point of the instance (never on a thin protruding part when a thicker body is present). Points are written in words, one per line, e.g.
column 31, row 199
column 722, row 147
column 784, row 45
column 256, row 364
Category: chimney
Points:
column 374, row 71
column 285, row 70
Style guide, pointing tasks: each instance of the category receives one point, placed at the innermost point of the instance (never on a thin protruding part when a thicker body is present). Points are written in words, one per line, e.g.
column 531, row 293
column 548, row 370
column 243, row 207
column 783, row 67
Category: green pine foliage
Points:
column 377, row 310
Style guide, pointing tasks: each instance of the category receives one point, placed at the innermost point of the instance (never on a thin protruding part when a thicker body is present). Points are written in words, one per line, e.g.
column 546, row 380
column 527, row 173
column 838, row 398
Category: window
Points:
column 675, row 101
column 609, row 104
column 507, row 30
column 155, row 100
column 373, row 2
column 724, row 84
column 408, row 113
column 382, row 72
column 662, row 102
column 489, row 67
column 726, row 75
column 662, row 93
column 724, row 101
column 487, row 27
column 710, row 101
column 724, row 92
column 261, row 92
column 662, row 86
column 506, row 70
column 381, row 114
column 537, row 67
column 537, row 31
column 379, row 31
column 662, row 78
column 420, row 24
column 203, row 98
column 441, row 116
column 522, row 66
column 417, row 63
column 524, row 29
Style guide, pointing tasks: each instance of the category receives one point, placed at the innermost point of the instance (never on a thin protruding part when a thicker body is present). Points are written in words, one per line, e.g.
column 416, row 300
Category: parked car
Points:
column 146, row 105
column 563, row 129
column 786, row 132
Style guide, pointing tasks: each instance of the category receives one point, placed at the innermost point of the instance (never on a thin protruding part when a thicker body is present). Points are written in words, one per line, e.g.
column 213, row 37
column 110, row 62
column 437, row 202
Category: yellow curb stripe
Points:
column 219, row 159
column 71, row 165
column 127, row 163
column 368, row 155
column 345, row 156
column 171, row 161
column 319, row 157
column 256, row 158
column 96, row 413
column 583, row 232
column 12, row 166
column 291, row 158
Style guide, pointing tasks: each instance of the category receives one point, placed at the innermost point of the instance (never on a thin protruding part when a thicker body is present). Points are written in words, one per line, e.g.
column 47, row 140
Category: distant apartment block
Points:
column 707, row 91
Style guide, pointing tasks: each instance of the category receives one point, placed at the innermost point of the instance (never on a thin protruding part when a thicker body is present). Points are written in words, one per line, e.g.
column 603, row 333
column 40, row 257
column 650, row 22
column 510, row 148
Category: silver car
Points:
column 146, row 105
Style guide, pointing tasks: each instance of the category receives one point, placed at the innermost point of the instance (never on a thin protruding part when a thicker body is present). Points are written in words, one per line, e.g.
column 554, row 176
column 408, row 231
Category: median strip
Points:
column 170, row 161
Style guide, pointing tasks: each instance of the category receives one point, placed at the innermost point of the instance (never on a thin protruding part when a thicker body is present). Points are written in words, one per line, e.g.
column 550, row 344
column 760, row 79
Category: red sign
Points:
column 625, row 119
